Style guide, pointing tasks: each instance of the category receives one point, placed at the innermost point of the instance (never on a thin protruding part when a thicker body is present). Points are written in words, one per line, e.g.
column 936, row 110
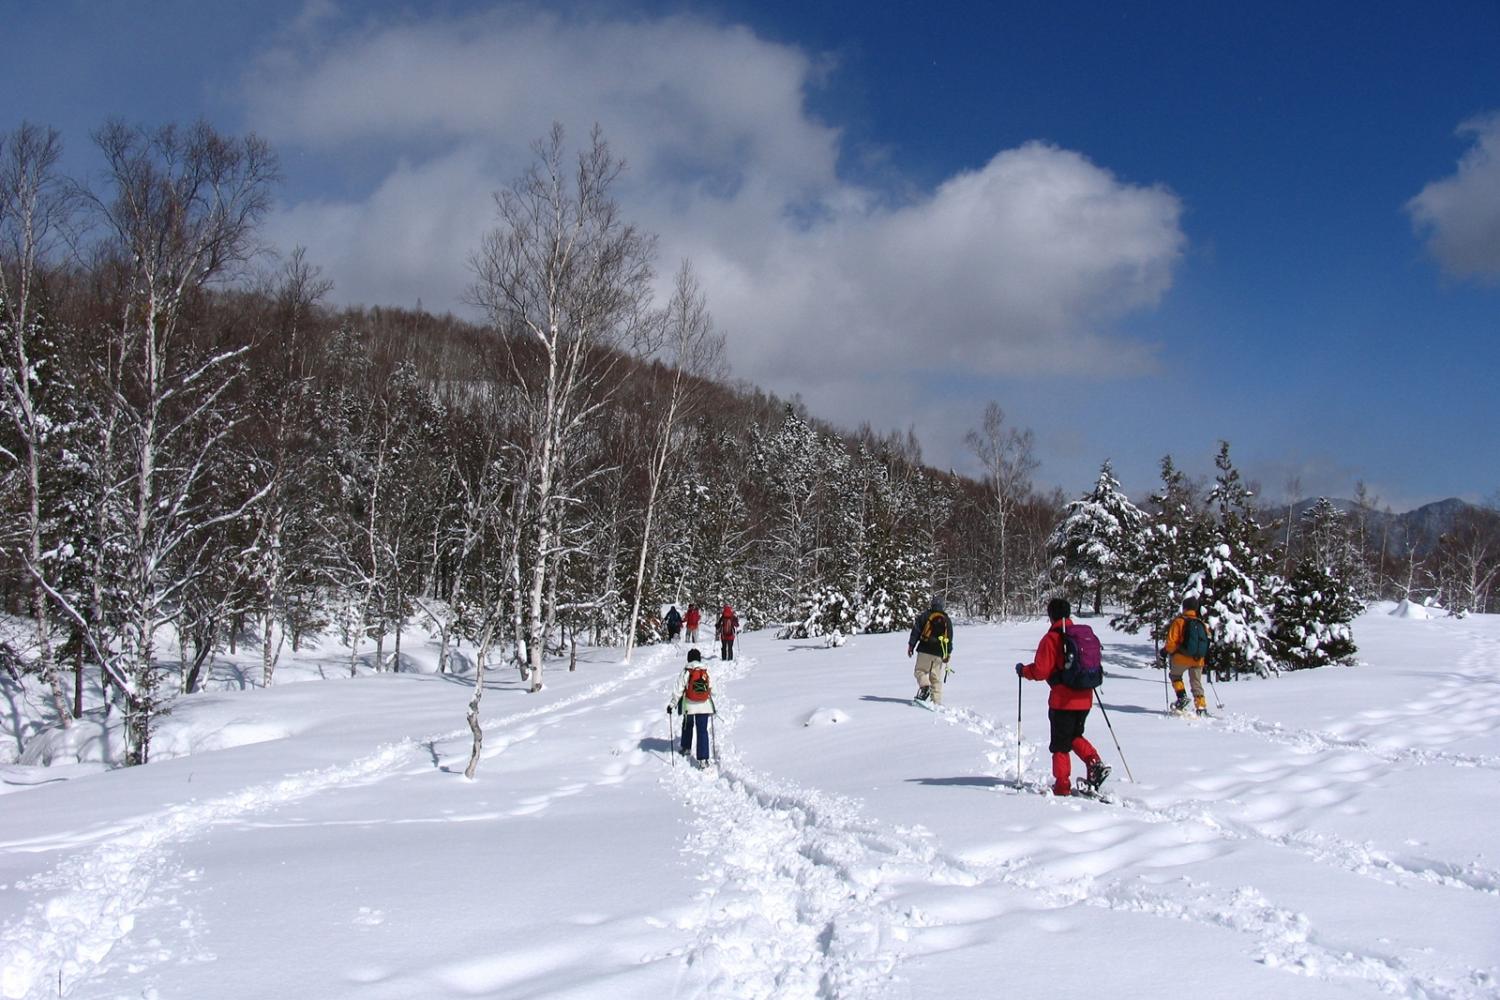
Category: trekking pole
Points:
column 1018, row 730
column 671, row 747
column 713, row 736
column 1209, row 674
column 1116, row 739
column 1166, row 687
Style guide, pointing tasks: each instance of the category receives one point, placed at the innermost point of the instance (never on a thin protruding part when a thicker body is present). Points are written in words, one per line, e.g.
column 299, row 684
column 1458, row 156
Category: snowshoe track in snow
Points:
column 1284, row 939
column 90, row 901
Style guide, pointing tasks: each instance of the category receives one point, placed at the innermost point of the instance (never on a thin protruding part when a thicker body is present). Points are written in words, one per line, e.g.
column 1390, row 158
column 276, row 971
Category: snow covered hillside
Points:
column 1329, row 833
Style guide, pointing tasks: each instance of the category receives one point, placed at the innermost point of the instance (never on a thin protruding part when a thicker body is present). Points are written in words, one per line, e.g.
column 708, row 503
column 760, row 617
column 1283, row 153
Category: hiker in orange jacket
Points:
column 1067, row 708
column 1187, row 646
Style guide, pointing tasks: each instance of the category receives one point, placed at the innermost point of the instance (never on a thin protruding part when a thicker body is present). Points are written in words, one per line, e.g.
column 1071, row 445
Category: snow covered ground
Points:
column 1329, row 834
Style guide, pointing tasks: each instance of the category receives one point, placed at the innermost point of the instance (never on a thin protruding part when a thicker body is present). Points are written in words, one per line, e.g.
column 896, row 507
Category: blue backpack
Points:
column 1082, row 667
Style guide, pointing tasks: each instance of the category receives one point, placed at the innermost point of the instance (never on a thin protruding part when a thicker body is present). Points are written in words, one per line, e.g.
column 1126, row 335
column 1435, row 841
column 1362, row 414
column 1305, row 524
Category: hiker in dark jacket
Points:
column 1067, row 708
column 673, row 622
column 931, row 640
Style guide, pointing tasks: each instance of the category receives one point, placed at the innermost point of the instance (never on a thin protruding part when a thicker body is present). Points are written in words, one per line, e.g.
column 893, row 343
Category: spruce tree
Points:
column 1097, row 541
column 1315, row 608
column 1166, row 555
column 1234, row 579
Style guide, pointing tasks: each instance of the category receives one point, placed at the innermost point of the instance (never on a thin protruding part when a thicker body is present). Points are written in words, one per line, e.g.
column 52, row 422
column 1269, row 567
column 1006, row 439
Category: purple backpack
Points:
column 1082, row 667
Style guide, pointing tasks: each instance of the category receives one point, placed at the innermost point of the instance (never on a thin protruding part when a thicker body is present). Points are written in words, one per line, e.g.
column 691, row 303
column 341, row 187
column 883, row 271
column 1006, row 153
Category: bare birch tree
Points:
column 1008, row 457
column 35, row 204
column 565, row 281
column 691, row 352
column 181, row 210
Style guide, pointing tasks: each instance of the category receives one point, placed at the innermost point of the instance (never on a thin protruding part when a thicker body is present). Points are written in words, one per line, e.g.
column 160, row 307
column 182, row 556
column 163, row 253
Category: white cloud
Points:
column 408, row 240
column 1018, row 267
column 1460, row 215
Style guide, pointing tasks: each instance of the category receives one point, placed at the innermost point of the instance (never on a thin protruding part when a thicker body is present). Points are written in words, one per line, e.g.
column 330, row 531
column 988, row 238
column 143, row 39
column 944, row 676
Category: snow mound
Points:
column 94, row 741
column 188, row 740
column 1406, row 609
column 826, row 717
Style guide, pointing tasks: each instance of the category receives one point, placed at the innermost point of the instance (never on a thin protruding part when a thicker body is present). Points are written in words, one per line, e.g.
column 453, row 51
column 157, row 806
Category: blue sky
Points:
column 1139, row 228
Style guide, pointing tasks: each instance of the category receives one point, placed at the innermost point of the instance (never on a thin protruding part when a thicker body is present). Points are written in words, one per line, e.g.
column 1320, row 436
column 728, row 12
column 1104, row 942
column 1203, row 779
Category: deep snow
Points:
column 1329, row 834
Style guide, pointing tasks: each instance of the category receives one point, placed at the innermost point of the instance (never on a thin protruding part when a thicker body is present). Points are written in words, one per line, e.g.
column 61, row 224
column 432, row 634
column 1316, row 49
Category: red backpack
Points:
column 697, row 688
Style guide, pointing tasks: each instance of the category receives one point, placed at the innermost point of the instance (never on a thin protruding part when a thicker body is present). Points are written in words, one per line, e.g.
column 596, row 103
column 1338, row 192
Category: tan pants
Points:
column 1195, row 678
column 930, row 675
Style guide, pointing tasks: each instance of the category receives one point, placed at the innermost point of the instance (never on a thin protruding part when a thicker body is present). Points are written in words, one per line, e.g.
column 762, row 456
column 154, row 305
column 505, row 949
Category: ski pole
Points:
column 1112, row 736
column 671, row 745
column 1209, row 674
column 1018, row 730
column 1166, row 687
column 713, row 738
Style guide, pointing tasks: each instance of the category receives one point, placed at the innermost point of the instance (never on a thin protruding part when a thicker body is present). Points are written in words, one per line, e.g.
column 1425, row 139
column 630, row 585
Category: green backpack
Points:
column 1194, row 639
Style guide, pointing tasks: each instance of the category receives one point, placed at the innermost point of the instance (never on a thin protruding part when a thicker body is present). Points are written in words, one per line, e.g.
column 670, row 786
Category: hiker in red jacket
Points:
column 1067, row 708
column 690, row 622
column 724, row 629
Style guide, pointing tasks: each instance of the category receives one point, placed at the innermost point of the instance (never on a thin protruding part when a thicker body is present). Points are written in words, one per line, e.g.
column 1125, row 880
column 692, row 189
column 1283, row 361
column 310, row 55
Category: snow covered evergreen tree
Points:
column 1234, row 579
column 1166, row 555
column 789, row 466
column 1314, row 609
column 896, row 580
column 1098, row 540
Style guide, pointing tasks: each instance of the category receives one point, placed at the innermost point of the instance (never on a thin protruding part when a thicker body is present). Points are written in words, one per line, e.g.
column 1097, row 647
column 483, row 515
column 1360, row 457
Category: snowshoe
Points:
column 1203, row 713
column 1181, row 704
column 1083, row 790
column 1098, row 771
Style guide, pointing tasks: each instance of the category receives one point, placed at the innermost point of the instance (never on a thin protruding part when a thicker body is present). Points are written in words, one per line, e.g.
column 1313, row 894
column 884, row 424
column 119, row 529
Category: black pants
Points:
column 700, row 723
column 726, row 649
column 1067, row 726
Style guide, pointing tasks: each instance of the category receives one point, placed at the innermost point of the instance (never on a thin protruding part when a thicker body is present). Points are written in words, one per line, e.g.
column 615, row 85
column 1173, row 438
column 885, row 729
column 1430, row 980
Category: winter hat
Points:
column 1190, row 604
column 937, row 602
column 694, row 656
column 1058, row 608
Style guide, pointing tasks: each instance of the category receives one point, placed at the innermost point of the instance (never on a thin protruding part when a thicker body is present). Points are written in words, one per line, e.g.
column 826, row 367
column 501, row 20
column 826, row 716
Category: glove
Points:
column 1019, row 668
column 669, row 709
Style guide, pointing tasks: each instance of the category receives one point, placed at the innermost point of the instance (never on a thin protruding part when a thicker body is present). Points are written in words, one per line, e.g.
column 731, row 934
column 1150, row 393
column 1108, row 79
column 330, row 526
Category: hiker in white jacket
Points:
column 693, row 699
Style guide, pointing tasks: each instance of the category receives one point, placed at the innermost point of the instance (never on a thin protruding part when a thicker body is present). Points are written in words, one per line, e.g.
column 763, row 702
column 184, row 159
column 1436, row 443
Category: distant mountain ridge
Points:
column 1420, row 528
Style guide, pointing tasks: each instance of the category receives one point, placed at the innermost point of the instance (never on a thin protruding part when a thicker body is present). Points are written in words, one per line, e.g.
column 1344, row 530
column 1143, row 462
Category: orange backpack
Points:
column 698, row 688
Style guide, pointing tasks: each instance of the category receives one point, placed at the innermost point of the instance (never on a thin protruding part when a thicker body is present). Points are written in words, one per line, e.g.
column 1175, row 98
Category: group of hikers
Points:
column 726, row 626
column 1064, row 659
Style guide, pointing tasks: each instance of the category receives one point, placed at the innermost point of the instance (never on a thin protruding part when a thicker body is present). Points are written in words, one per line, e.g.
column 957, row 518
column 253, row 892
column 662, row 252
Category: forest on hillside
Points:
column 194, row 437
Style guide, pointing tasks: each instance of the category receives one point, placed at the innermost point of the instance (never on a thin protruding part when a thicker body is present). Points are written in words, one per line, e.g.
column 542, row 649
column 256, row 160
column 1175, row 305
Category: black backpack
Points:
column 935, row 629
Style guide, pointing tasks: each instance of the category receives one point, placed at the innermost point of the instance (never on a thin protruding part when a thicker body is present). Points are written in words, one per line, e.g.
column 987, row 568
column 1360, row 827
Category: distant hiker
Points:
column 931, row 640
column 673, row 621
column 725, row 627
column 1067, row 707
column 693, row 699
column 1188, row 640
column 690, row 622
